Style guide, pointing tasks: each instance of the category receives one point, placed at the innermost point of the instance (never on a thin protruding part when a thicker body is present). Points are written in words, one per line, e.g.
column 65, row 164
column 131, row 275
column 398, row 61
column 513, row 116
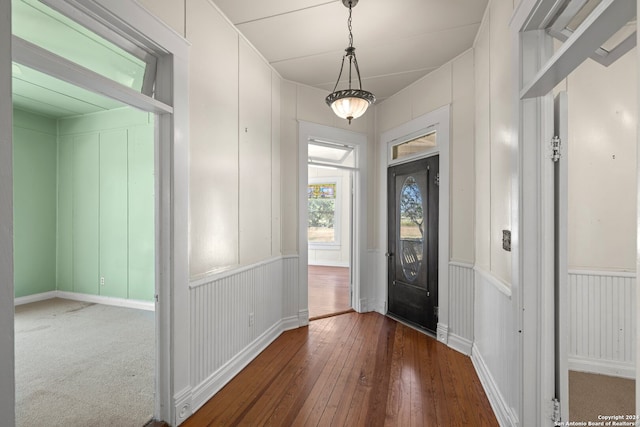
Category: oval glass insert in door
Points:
column 411, row 230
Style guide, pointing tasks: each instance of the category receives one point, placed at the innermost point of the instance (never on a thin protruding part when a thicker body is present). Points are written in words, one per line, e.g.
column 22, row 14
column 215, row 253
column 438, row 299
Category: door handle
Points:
column 389, row 254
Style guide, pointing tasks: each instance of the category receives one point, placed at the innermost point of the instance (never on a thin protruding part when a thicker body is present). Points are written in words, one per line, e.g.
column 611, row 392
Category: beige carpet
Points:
column 591, row 395
column 80, row 364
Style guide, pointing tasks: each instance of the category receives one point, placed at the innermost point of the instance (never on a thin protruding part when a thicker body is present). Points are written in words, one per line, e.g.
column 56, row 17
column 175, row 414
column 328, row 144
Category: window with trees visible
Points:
column 323, row 213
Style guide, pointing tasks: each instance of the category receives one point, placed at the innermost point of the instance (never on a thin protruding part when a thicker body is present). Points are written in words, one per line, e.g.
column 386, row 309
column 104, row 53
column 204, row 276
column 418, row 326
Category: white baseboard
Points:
column 34, row 298
column 460, row 344
column 378, row 307
column 328, row 263
column 183, row 406
column 442, row 331
column 603, row 367
column 303, row 317
column 363, row 306
column 118, row 302
column 504, row 415
column 96, row 299
column 289, row 323
column 202, row 392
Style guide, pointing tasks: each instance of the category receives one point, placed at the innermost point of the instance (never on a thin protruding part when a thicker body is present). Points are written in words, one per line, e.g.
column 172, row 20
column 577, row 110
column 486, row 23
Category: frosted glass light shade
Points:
column 350, row 104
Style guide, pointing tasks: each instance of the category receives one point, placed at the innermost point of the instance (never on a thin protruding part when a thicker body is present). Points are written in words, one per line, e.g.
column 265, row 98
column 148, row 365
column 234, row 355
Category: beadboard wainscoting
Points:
column 494, row 341
column 602, row 322
column 234, row 316
column 461, row 307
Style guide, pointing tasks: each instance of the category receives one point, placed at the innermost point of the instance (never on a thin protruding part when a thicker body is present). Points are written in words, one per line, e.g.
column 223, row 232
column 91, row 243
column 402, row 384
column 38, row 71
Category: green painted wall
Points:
column 106, row 182
column 34, row 203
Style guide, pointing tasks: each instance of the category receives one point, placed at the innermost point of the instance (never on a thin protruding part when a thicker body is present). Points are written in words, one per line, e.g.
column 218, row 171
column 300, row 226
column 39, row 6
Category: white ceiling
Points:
column 396, row 41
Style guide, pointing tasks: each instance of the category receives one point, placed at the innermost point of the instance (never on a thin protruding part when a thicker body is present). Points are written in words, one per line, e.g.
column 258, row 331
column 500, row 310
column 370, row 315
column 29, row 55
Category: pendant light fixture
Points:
column 350, row 103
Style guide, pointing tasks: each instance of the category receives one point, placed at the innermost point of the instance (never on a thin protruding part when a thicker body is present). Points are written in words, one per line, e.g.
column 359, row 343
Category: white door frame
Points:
column 307, row 131
column 438, row 121
column 7, row 367
column 171, row 165
column 536, row 70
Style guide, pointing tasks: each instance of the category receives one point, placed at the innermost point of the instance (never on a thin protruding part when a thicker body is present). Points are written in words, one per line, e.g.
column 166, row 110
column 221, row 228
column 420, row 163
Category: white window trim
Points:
column 406, row 138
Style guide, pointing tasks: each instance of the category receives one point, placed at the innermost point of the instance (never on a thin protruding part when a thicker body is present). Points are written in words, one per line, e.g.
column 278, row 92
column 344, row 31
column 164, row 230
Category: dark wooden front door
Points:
column 413, row 242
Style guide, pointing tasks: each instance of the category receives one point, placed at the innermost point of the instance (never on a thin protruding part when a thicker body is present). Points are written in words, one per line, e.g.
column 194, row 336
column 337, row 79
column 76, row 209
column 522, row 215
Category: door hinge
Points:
column 556, row 144
column 437, row 180
column 436, row 311
column 157, row 297
column 555, row 411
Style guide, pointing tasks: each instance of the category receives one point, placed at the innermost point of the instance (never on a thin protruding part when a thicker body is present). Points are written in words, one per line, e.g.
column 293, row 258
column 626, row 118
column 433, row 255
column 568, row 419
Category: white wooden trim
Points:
column 95, row 299
column 603, row 367
column 56, row 66
column 7, row 342
column 202, row 392
column 462, row 264
column 637, row 284
column 607, row 18
column 610, row 273
column 460, row 344
column 172, row 192
column 98, row 299
column 499, row 404
column 497, row 283
column 233, row 270
column 35, row 298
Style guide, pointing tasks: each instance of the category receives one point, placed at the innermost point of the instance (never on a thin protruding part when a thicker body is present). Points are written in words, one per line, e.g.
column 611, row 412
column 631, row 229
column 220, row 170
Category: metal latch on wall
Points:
column 437, row 180
column 555, row 148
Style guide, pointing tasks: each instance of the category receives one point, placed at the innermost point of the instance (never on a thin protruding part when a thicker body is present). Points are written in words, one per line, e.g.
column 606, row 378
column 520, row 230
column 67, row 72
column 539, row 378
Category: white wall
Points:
column 495, row 327
column 453, row 84
column 603, row 112
column 234, row 198
column 234, row 146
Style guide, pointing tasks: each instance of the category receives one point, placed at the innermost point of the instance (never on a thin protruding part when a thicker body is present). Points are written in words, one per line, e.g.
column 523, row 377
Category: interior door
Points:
column 561, row 270
column 413, row 242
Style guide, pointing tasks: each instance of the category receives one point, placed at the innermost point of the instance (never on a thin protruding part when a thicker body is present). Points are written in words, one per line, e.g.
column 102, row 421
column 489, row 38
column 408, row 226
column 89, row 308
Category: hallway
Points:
column 352, row 370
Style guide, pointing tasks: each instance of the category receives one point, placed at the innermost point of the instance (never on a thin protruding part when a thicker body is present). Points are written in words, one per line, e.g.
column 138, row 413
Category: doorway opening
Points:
column 332, row 161
column 581, row 183
column 595, row 290
column 84, row 254
column 91, row 48
column 330, row 227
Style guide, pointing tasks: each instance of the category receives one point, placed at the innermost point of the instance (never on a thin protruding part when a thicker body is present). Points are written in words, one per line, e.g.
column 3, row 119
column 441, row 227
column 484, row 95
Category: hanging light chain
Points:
column 349, row 26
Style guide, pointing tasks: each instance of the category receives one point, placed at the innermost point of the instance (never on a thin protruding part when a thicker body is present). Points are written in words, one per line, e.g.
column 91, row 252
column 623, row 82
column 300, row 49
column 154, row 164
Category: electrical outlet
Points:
column 252, row 319
column 102, row 281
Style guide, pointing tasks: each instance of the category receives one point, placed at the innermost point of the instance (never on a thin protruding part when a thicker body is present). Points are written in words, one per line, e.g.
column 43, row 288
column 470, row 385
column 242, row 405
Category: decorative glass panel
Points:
column 322, row 212
column 414, row 146
column 411, row 229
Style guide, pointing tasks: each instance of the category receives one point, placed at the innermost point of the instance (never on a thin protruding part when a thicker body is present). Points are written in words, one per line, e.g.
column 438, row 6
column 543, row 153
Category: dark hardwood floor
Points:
column 329, row 291
column 352, row 370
